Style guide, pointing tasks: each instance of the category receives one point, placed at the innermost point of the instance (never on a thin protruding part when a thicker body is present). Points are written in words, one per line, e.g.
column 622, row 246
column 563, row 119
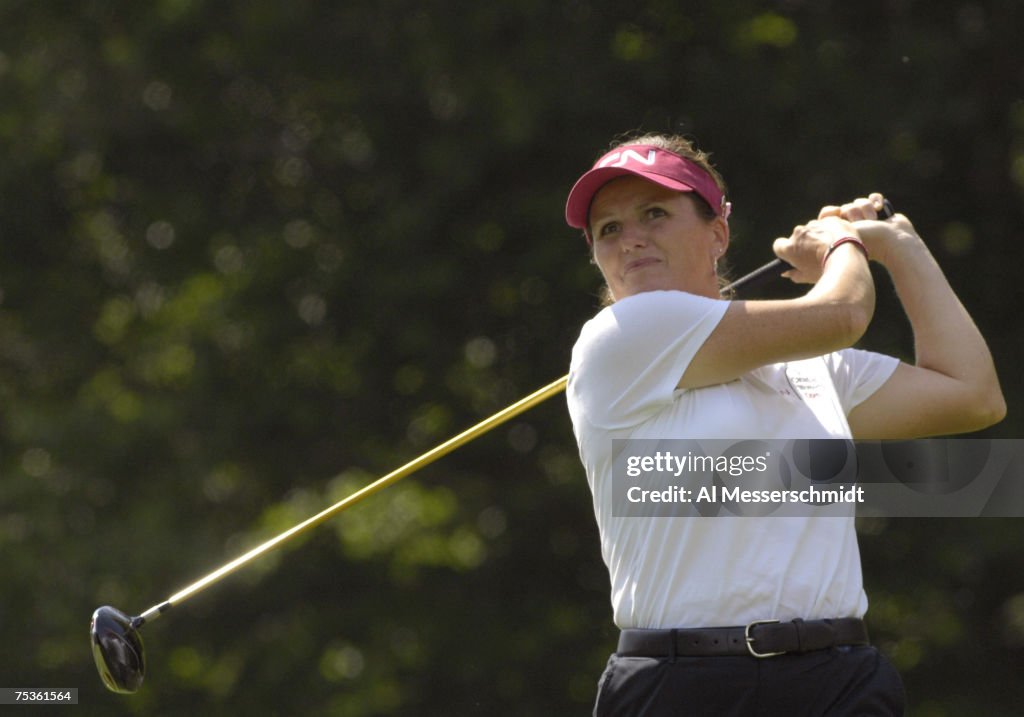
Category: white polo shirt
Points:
column 720, row 571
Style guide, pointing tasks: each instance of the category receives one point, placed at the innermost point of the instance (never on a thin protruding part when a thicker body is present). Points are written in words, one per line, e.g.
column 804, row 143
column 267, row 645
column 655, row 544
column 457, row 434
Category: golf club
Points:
column 116, row 643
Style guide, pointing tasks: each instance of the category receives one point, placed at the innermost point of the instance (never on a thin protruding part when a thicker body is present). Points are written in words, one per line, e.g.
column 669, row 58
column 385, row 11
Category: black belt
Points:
column 761, row 638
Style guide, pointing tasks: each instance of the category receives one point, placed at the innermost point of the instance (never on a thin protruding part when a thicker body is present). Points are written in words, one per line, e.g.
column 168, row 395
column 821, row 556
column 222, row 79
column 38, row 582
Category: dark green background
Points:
column 255, row 254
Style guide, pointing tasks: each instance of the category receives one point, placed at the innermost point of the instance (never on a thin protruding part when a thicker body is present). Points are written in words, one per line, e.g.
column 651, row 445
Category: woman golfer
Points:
column 749, row 616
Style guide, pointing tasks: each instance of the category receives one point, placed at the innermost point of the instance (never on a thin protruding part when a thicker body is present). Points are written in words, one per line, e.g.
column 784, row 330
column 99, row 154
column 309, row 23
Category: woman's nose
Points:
column 632, row 236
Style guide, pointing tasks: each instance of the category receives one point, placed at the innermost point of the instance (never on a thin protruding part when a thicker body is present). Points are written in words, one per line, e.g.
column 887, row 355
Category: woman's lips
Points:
column 640, row 264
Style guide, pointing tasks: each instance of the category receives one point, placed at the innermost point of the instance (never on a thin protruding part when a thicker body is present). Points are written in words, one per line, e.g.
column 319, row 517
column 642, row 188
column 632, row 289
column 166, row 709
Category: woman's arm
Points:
column 952, row 386
column 831, row 316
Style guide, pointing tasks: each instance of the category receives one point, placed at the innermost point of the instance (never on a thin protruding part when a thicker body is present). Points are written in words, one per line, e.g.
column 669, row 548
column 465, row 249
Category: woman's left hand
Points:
column 860, row 208
column 886, row 239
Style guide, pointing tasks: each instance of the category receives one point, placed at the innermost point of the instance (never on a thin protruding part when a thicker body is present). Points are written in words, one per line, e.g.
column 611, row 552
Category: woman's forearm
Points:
column 946, row 339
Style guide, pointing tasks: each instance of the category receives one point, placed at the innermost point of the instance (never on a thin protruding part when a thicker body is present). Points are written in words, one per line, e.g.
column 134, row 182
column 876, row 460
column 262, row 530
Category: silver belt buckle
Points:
column 750, row 639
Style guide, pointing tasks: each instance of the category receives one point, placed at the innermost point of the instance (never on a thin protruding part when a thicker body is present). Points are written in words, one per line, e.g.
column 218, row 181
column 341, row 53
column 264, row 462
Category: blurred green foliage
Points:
column 253, row 255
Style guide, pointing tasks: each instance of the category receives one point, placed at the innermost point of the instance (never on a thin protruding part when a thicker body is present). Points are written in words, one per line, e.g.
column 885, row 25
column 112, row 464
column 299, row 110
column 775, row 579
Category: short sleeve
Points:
column 630, row 358
column 857, row 374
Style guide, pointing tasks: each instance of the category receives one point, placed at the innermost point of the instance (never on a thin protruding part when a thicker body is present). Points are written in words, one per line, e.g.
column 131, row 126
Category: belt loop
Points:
column 673, row 636
column 799, row 624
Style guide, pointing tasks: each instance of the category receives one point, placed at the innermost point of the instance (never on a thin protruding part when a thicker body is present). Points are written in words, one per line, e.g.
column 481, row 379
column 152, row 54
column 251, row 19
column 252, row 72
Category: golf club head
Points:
column 117, row 649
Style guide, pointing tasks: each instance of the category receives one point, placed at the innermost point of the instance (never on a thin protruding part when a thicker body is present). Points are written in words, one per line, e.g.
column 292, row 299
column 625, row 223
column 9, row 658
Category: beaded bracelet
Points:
column 839, row 242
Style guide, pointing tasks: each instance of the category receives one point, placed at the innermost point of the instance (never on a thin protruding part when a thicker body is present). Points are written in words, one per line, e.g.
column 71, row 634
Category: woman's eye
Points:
column 656, row 212
column 609, row 228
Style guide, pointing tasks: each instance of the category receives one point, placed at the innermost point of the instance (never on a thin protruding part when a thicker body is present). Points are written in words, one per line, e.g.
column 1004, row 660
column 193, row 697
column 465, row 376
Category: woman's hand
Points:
column 806, row 247
column 860, row 208
column 886, row 240
column 952, row 386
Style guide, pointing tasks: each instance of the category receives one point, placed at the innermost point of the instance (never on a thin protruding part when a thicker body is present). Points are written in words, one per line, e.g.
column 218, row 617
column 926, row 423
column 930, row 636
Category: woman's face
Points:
column 647, row 237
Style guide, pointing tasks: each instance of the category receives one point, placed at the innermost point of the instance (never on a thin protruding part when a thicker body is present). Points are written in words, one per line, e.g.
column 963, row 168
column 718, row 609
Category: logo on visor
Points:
column 621, row 159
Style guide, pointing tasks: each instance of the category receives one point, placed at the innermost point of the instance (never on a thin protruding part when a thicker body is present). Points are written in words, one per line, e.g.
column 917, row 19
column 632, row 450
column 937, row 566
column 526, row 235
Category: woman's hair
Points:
column 680, row 145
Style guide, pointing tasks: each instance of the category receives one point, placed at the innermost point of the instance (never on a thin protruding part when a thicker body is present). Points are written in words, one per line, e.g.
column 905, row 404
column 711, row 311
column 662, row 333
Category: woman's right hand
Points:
column 806, row 247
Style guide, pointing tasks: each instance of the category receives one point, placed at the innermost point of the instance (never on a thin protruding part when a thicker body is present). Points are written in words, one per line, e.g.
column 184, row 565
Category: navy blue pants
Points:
column 838, row 682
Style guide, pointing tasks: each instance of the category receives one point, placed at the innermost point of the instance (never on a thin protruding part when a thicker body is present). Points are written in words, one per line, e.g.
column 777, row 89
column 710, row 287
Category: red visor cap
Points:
column 654, row 164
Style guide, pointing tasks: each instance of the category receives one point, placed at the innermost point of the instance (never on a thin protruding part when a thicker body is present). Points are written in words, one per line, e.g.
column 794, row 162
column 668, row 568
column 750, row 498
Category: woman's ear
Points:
column 720, row 239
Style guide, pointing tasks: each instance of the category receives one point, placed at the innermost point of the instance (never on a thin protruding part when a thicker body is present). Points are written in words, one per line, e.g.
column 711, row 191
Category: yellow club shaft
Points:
column 394, row 476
